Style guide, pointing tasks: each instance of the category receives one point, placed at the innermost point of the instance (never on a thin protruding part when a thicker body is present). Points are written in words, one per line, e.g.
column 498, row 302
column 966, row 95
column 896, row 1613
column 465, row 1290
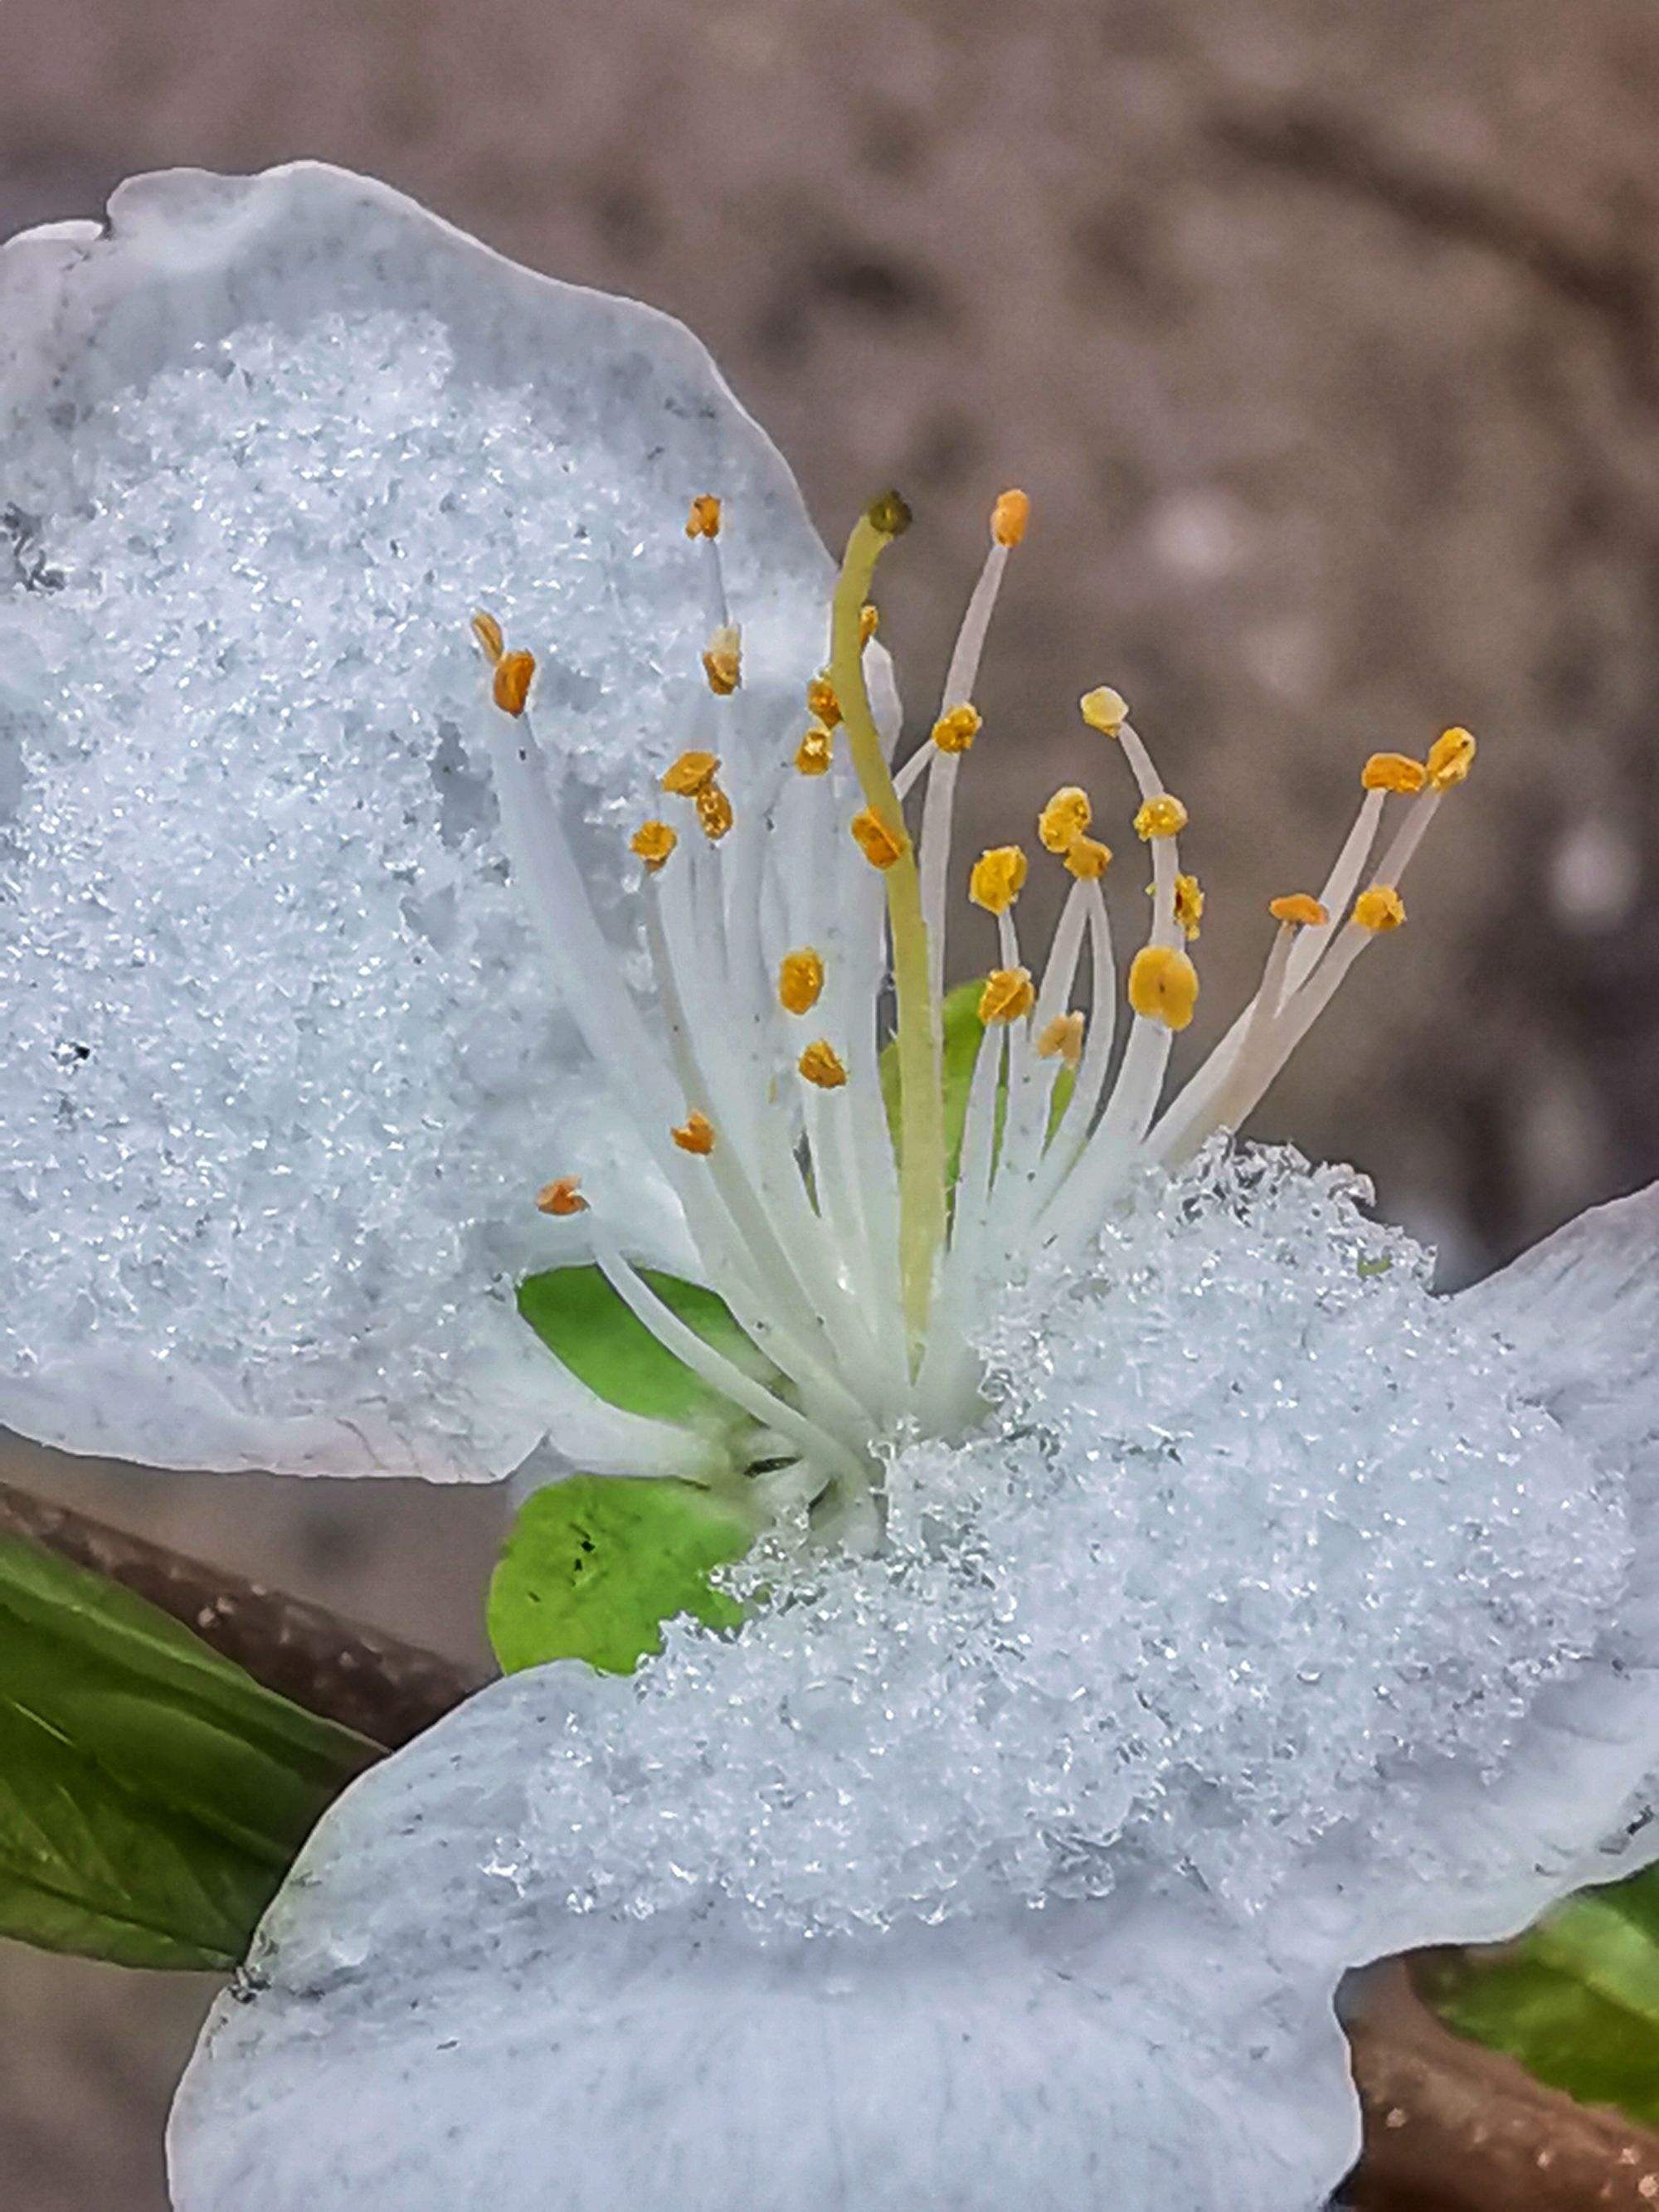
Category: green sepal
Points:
column 596, row 1563
column 961, row 1031
column 152, row 1794
column 579, row 1317
column 1575, row 1999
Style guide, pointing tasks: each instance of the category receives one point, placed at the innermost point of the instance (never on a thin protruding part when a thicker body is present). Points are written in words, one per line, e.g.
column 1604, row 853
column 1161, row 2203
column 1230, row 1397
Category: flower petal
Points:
column 1573, row 1797
column 283, row 1066
column 1582, row 1310
column 425, row 2023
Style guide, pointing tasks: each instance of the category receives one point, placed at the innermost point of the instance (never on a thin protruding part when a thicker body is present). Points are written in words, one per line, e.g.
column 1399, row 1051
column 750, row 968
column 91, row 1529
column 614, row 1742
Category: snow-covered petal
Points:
column 423, row 2023
column 1582, row 1311
column 283, row 1065
column 1576, row 1797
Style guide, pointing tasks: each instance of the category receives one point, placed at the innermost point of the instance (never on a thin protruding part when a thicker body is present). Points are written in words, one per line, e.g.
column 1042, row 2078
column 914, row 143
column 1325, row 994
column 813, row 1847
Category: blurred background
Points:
column 1322, row 334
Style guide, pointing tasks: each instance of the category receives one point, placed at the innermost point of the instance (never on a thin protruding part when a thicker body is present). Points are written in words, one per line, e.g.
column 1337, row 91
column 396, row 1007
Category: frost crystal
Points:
column 272, row 1099
column 1256, row 1524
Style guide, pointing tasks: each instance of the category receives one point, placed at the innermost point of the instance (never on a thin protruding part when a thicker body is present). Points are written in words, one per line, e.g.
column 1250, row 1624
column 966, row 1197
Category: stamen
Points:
column 1062, row 1040
column 821, row 700
column 1163, row 816
column 722, row 663
column 1065, row 818
column 686, row 776
column 1163, row 985
column 1189, row 905
column 704, row 520
column 511, row 686
column 1395, row 772
column 714, row 812
column 956, row 728
column 998, row 878
column 1010, row 518
column 944, row 762
column 1105, row 709
column 822, row 1065
column 653, row 843
column 1379, row 910
column 814, row 753
column 1299, row 909
column 695, row 1134
column 869, row 619
column 1451, row 759
column 1008, row 994
column 881, row 845
column 561, row 1197
column 488, row 631
column 1088, row 858
column 800, row 980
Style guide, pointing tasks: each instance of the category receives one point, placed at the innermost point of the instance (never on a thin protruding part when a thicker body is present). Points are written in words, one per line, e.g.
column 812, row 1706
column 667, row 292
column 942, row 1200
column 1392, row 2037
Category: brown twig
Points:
column 387, row 1690
column 1450, row 2127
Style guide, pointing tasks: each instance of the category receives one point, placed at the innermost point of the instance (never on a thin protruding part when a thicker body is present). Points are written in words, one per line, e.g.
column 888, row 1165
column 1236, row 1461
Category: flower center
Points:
column 859, row 1248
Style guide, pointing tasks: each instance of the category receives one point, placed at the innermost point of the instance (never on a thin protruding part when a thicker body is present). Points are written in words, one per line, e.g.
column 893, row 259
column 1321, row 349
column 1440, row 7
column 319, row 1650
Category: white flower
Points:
column 1217, row 1608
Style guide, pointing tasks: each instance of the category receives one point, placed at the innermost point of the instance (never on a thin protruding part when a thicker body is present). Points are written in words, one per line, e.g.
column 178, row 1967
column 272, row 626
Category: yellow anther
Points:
column 1008, row 994
column 1087, row 858
column 511, row 686
column 1062, row 1040
column 1298, row 909
column 998, row 878
column 686, row 776
column 956, row 728
column 488, row 631
column 695, row 1134
column 1379, row 908
column 1162, row 817
column 880, row 845
column 1451, row 759
column 888, row 514
column 1065, row 818
column 821, row 700
column 822, row 1063
column 723, row 662
column 1189, row 905
column 801, row 979
column 1394, row 772
column 812, row 755
column 1010, row 517
column 561, row 1197
column 714, row 812
column 869, row 623
column 653, row 843
column 1105, row 709
column 1163, row 985
column 704, row 520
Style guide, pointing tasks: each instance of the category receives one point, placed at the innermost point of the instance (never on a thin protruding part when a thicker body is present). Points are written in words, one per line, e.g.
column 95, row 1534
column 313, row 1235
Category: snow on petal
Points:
column 1582, row 1309
column 284, row 1068
column 424, row 2022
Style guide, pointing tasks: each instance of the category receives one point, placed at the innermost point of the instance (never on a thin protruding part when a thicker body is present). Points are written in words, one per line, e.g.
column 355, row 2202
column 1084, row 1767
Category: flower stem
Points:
column 921, row 1099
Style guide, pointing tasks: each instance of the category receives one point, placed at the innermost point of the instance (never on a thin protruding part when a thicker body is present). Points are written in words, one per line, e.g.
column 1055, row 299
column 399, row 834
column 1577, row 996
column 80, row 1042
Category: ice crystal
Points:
column 1252, row 1524
column 262, row 1103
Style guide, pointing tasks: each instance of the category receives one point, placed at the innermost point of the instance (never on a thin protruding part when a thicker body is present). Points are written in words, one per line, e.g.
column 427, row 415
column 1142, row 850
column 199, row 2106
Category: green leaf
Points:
column 1575, row 1999
column 594, row 1565
column 152, row 1794
column 579, row 1317
column 962, row 1031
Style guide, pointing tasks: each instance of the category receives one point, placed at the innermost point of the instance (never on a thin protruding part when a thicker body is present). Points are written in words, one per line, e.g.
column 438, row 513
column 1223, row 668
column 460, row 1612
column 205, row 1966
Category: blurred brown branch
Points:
column 1450, row 2127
